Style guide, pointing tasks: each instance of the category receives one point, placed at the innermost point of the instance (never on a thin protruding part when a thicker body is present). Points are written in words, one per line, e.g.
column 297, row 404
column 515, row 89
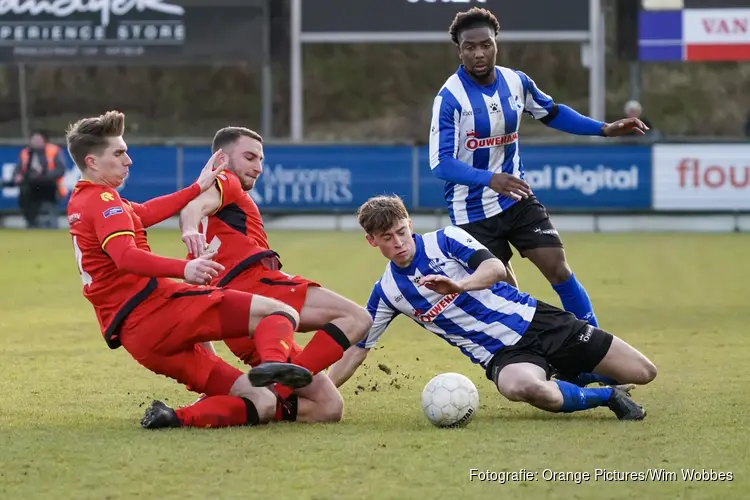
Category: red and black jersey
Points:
column 97, row 214
column 238, row 227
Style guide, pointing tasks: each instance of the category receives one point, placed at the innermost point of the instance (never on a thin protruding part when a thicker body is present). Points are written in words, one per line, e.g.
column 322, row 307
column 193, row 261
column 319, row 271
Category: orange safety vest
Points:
column 50, row 152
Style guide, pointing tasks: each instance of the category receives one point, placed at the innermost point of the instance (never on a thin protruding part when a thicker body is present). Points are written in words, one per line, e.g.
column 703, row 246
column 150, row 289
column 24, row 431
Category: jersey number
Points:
column 85, row 277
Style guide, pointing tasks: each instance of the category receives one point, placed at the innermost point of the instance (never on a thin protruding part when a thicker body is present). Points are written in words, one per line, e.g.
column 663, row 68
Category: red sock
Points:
column 219, row 411
column 274, row 337
column 286, row 410
column 324, row 349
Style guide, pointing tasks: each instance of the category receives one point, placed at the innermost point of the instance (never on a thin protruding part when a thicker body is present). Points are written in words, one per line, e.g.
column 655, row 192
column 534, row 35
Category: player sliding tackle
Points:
column 454, row 287
column 228, row 219
column 160, row 322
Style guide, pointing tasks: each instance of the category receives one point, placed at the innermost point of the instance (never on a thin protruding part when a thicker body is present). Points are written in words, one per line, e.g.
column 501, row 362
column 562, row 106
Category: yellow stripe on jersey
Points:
column 113, row 235
column 221, row 195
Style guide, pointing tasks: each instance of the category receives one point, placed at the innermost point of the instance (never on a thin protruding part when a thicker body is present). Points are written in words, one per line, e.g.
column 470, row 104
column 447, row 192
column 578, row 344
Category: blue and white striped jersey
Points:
column 478, row 126
column 479, row 322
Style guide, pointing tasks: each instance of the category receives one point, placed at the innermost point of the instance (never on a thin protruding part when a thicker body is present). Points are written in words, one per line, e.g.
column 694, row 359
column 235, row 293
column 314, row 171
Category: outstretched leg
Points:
column 527, row 382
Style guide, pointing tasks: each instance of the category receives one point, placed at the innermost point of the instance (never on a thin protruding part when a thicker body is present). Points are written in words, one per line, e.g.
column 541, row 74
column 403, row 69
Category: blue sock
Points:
column 575, row 299
column 582, row 398
column 584, row 379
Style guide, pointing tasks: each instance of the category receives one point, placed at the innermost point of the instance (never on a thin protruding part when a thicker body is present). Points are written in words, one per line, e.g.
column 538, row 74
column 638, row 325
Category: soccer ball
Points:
column 450, row 400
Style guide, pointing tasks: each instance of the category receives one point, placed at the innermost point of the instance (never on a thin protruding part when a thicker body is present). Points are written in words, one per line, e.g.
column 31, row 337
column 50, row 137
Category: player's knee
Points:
column 559, row 272
column 527, row 390
column 333, row 408
column 648, row 372
column 265, row 404
column 289, row 311
column 264, row 306
column 364, row 322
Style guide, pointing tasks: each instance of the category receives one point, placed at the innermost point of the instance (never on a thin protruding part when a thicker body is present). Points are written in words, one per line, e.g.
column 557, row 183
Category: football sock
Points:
column 286, row 409
column 219, row 411
column 584, row 379
column 274, row 337
column 582, row 398
column 575, row 300
column 324, row 349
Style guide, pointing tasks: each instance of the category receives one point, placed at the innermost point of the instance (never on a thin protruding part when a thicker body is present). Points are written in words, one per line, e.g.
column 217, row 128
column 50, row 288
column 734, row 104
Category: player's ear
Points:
column 371, row 240
column 411, row 227
column 89, row 161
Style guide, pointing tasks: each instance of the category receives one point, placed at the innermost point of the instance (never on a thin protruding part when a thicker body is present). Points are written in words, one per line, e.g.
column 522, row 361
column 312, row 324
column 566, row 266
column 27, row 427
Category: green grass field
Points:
column 69, row 407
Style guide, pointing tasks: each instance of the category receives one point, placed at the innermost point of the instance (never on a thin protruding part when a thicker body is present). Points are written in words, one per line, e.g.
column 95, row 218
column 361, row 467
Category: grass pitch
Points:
column 69, row 407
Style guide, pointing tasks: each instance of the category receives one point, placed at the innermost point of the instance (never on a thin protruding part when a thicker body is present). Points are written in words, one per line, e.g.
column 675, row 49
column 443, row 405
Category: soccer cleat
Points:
column 159, row 416
column 624, row 407
column 288, row 374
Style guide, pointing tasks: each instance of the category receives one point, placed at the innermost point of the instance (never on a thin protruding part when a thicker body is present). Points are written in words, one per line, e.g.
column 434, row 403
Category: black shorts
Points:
column 555, row 339
column 525, row 225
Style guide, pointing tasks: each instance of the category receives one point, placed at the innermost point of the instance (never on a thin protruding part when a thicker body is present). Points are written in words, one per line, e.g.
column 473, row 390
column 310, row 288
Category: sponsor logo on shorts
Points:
column 473, row 143
column 436, row 310
column 552, row 232
column 112, row 211
column 585, row 335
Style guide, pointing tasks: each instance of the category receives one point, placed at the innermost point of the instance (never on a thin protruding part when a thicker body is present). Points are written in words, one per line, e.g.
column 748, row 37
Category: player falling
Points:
column 231, row 223
column 452, row 286
column 162, row 323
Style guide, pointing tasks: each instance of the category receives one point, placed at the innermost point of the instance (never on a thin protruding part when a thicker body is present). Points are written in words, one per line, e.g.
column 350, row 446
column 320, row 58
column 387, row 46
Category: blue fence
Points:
column 339, row 178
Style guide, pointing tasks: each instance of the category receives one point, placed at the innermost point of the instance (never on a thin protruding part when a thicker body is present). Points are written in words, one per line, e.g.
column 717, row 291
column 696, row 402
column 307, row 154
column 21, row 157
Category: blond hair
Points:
column 91, row 135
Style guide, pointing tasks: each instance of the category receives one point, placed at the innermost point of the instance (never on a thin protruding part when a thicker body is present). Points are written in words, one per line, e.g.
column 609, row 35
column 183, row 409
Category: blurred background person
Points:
column 39, row 175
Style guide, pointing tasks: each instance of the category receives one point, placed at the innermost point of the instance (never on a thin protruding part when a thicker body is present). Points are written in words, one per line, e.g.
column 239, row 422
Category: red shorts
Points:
column 164, row 334
column 258, row 280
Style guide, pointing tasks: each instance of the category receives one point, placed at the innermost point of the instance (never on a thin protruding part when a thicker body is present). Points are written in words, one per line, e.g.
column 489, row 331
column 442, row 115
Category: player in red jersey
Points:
column 231, row 223
column 161, row 323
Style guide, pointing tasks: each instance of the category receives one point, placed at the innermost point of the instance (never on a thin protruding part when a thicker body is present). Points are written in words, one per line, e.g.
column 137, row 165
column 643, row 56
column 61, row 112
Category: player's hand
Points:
column 441, row 284
column 202, row 270
column 510, row 186
column 195, row 241
column 214, row 166
column 626, row 126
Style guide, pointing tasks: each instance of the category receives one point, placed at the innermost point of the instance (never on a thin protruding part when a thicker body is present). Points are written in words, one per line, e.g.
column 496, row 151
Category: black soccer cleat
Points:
column 288, row 374
column 624, row 407
column 159, row 416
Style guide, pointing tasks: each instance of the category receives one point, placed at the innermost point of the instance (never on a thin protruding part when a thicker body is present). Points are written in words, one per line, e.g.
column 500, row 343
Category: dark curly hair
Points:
column 473, row 18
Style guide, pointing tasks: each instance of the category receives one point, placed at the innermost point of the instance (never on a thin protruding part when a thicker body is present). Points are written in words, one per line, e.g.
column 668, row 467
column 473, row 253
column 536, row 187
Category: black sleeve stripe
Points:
column 479, row 257
column 551, row 115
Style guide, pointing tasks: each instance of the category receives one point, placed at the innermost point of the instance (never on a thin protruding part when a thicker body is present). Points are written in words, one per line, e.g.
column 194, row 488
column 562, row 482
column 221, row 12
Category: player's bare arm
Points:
column 162, row 208
column 343, row 369
column 202, row 206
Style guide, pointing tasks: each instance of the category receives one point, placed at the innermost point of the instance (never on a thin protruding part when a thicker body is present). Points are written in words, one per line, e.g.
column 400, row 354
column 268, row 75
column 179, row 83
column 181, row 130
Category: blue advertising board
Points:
column 570, row 177
column 322, row 178
column 339, row 178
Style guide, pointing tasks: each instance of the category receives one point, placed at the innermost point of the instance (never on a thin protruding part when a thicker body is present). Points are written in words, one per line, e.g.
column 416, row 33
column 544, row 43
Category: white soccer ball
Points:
column 450, row 400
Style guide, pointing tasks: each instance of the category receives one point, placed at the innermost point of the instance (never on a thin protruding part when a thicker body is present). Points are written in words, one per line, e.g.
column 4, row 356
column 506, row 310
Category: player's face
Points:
column 477, row 50
column 396, row 244
column 112, row 166
column 246, row 160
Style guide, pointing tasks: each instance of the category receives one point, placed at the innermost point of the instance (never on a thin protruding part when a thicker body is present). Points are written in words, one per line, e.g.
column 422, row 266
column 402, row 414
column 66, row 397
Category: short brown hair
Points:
column 229, row 135
column 473, row 18
column 91, row 135
column 381, row 213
